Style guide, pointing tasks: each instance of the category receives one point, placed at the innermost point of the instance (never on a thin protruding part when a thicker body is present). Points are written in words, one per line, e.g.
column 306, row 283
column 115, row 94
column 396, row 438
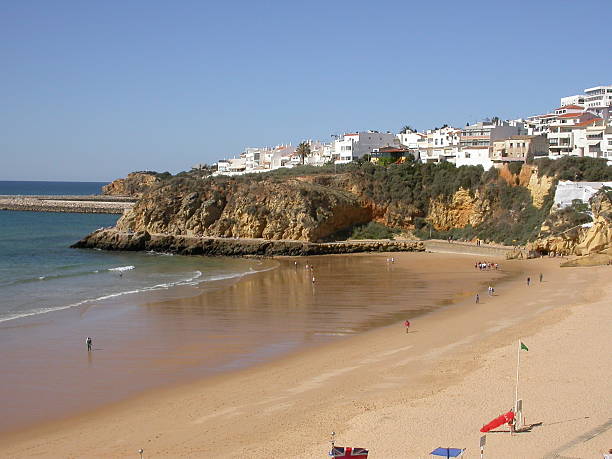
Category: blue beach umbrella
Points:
column 447, row 452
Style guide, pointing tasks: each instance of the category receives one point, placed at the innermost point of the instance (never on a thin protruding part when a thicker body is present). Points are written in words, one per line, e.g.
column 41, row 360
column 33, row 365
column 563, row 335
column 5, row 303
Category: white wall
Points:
column 567, row 191
column 474, row 157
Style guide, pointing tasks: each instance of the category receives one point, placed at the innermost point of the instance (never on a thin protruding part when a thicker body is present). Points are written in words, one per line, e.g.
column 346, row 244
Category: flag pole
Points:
column 518, row 363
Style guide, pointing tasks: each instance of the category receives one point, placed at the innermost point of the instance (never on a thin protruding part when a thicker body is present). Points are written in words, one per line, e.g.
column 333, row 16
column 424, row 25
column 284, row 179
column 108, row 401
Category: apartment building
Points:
column 519, row 147
column 483, row 133
column 567, row 134
column 409, row 139
column 599, row 100
column 573, row 100
column 355, row 145
column 599, row 139
column 436, row 145
column 539, row 124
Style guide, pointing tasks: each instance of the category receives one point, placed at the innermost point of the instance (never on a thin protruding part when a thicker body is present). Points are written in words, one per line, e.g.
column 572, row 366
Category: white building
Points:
column 409, row 139
column 474, row 156
column 483, row 133
column 353, row 146
column 539, row 124
column 572, row 100
column 599, row 139
column 567, row 191
column 599, row 100
column 439, row 145
column 567, row 134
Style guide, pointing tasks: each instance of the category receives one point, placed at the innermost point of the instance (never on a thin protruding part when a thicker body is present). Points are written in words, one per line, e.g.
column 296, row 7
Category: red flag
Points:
column 498, row 421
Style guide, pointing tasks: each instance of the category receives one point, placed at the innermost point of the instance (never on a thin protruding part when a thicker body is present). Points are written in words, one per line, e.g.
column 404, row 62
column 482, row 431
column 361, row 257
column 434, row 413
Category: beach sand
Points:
column 397, row 394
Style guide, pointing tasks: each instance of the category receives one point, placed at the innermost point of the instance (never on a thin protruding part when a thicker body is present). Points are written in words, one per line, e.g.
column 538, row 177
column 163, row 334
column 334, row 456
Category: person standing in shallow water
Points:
column 89, row 343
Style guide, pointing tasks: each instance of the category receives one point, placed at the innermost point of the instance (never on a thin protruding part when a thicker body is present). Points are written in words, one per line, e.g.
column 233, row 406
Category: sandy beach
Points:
column 397, row 394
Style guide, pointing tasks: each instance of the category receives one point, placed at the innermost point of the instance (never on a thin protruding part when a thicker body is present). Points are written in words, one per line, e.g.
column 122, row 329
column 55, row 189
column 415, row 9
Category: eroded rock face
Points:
column 538, row 187
column 596, row 238
column 461, row 210
column 293, row 210
column 135, row 184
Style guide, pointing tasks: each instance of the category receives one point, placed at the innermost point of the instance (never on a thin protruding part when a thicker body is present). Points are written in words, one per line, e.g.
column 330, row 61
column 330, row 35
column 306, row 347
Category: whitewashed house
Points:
column 439, row 145
column 355, row 145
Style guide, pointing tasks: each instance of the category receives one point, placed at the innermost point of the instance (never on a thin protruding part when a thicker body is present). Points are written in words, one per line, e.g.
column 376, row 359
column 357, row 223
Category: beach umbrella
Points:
column 498, row 421
column 447, row 452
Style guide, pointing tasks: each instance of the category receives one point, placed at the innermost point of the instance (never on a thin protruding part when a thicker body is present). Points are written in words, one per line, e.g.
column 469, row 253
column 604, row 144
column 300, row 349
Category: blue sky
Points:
column 94, row 90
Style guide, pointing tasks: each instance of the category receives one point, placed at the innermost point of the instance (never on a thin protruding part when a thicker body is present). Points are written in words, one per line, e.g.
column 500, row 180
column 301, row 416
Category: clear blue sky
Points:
column 94, row 90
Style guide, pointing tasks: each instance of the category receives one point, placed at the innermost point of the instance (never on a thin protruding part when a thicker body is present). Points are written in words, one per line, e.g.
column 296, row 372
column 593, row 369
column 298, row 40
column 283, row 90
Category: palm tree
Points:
column 303, row 149
column 406, row 129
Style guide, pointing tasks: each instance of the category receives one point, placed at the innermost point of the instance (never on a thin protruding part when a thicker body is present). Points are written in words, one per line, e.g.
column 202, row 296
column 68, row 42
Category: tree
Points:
column 407, row 129
column 303, row 149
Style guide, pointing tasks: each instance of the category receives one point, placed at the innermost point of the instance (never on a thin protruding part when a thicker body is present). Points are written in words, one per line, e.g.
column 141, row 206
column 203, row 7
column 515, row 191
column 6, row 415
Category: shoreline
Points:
column 97, row 317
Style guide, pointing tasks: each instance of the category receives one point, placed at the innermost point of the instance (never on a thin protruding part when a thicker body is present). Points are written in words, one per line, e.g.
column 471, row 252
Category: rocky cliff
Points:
column 317, row 205
column 462, row 209
column 284, row 210
column 134, row 185
column 581, row 239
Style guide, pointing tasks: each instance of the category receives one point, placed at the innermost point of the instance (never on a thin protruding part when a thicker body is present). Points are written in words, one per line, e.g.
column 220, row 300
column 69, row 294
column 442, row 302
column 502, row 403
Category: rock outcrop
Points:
column 581, row 240
column 461, row 210
column 134, row 185
column 288, row 210
column 112, row 239
column 539, row 187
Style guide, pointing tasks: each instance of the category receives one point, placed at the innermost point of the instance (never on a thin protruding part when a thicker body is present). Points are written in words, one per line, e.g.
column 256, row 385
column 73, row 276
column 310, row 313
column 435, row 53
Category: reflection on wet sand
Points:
column 229, row 325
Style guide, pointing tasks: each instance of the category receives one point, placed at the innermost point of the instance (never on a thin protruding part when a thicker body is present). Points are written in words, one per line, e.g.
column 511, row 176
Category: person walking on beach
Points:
column 528, row 281
column 541, row 277
column 89, row 343
column 477, row 298
column 407, row 325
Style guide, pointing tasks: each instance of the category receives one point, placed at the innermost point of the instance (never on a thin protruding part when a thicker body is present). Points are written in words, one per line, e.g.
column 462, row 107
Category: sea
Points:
column 40, row 273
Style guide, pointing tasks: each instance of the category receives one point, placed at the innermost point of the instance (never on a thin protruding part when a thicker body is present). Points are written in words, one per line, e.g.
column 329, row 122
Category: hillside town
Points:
column 580, row 126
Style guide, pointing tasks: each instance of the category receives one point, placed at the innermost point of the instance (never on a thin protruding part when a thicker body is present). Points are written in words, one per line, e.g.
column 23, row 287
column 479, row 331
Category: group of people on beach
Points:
column 486, row 266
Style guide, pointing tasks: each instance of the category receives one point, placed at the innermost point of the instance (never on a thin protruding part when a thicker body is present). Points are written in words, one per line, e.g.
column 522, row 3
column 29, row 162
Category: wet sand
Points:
column 220, row 328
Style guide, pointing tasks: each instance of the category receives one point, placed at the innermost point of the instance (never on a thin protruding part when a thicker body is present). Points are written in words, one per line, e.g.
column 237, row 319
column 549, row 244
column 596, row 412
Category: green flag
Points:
column 523, row 346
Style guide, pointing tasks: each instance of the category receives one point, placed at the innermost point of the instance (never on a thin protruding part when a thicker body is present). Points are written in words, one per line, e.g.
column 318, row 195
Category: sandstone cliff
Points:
column 135, row 184
column 528, row 177
column 581, row 239
column 316, row 205
column 463, row 209
column 291, row 209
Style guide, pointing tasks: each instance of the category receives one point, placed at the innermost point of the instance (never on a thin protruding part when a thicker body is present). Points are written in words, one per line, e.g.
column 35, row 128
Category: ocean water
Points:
column 39, row 273
column 50, row 188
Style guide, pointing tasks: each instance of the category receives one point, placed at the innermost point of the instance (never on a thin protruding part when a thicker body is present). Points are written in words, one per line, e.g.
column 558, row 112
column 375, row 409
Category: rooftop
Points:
column 572, row 107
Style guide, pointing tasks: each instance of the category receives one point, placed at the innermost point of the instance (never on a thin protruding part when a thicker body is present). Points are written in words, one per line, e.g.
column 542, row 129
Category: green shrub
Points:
column 373, row 230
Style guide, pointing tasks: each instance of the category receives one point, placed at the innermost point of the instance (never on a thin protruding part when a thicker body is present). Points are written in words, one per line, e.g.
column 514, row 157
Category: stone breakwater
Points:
column 111, row 239
column 75, row 204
